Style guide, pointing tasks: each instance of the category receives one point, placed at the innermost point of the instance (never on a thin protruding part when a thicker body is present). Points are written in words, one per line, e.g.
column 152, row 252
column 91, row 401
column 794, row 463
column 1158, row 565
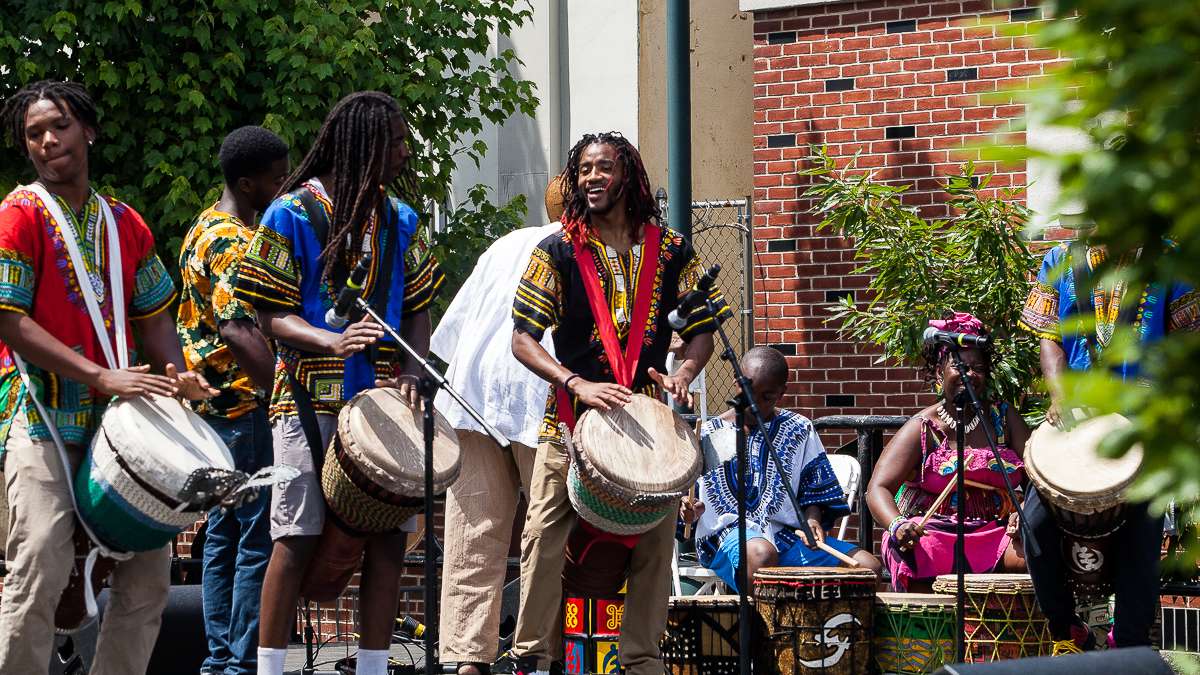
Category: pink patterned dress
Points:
column 986, row 513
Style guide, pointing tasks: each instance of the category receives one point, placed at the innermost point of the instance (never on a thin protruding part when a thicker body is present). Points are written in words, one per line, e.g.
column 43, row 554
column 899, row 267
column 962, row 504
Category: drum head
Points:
column 778, row 574
column 643, row 446
column 922, row 601
column 162, row 440
column 383, row 434
column 1066, row 467
column 985, row 583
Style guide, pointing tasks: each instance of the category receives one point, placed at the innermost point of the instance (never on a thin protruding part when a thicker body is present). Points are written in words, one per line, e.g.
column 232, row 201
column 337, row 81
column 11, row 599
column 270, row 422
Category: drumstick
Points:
column 937, row 503
column 833, row 552
column 687, row 527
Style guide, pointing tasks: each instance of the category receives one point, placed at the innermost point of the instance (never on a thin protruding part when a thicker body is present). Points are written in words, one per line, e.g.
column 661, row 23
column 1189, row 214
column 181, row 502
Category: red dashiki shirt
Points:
column 38, row 280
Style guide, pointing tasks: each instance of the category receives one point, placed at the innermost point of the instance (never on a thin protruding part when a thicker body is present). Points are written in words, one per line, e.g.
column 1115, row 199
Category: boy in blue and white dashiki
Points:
column 771, row 518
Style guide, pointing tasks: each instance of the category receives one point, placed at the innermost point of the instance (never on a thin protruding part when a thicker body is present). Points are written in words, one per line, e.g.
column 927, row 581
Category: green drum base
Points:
column 111, row 521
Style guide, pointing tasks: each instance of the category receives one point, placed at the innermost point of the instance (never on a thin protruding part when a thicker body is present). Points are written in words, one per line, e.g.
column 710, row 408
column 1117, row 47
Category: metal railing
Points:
column 869, row 443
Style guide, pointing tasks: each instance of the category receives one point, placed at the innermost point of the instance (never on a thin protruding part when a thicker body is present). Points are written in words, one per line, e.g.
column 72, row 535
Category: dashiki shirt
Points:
column 37, row 279
column 551, row 296
column 281, row 272
column 208, row 268
column 1050, row 311
column 985, row 514
column 768, row 508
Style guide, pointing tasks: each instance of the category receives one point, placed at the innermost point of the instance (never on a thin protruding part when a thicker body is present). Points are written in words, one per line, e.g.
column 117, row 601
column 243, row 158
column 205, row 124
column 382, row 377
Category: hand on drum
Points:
column 406, row 383
column 357, row 337
column 190, row 384
column 602, row 395
column 690, row 509
column 675, row 385
column 908, row 533
column 134, row 381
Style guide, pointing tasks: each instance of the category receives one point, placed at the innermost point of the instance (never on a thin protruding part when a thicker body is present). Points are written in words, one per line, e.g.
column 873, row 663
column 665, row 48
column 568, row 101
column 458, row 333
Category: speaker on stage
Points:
column 1128, row 661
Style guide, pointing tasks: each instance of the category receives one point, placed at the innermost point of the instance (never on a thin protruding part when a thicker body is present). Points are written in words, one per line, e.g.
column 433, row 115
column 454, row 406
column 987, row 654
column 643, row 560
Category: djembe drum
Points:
column 817, row 619
column 703, row 633
column 1000, row 617
column 630, row 466
column 373, row 479
column 914, row 632
column 1084, row 492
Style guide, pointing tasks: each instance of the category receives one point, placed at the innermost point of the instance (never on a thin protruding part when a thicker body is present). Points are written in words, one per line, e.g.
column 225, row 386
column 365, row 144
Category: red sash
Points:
column 624, row 366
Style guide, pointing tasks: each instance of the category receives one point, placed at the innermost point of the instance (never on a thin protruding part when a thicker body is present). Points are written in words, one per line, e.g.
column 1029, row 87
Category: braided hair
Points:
column 353, row 143
column 640, row 205
column 69, row 97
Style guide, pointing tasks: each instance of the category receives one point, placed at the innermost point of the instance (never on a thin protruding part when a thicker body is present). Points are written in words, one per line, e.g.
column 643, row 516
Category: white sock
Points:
column 270, row 661
column 371, row 662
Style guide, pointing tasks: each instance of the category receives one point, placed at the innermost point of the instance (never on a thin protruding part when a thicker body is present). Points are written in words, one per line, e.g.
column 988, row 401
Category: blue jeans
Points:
column 236, row 551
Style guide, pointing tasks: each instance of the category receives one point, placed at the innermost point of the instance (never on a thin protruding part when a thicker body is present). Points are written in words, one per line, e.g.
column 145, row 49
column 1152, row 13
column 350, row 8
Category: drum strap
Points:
column 308, row 421
column 624, row 366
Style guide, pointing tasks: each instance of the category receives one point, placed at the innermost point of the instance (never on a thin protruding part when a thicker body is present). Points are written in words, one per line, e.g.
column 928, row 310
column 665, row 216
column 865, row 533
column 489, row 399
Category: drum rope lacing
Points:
column 117, row 359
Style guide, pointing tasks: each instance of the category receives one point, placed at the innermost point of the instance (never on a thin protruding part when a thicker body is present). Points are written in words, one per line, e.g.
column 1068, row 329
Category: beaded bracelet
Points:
column 567, row 382
column 895, row 524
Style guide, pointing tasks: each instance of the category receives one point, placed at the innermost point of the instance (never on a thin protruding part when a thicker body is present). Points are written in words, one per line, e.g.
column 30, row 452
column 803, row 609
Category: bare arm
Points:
column 160, row 344
column 695, row 355
column 291, row 329
column 36, row 345
column 894, row 466
column 415, row 330
column 533, row 356
column 251, row 350
column 1054, row 363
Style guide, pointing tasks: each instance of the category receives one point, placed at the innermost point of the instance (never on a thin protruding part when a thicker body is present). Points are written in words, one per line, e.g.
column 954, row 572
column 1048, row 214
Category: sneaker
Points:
column 1065, row 647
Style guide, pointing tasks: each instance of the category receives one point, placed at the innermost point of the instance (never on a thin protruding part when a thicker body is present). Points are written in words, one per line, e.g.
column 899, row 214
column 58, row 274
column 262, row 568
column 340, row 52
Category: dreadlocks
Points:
column 640, row 205
column 353, row 144
column 69, row 97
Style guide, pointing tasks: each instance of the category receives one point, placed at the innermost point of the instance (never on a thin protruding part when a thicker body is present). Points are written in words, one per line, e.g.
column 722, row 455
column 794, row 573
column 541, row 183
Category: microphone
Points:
column 339, row 314
column 946, row 337
column 411, row 627
column 694, row 298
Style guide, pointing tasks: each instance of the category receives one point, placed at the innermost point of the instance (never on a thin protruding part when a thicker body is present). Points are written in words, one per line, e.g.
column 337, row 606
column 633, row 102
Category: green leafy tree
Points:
column 976, row 261
column 172, row 78
column 470, row 229
column 1131, row 81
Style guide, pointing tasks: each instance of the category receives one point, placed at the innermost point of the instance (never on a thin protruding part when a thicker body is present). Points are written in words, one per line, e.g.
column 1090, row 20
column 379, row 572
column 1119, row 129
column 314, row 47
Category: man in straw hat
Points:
column 610, row 231
column 475, row 339
column 1057, row 312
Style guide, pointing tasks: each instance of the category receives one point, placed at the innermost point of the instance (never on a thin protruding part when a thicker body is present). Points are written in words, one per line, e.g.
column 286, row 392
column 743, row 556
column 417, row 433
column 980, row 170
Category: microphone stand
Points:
column 744, row 403
column 1030, row 544
column 960, row 527
column 430, row 381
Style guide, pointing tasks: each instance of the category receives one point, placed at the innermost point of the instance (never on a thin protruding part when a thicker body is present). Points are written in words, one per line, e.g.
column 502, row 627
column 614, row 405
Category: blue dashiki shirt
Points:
column 282, row 272
column 768, row 508
column 1050, row 311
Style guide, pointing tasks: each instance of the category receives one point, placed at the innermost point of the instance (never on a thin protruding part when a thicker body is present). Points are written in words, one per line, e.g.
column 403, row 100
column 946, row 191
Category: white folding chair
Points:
column 710, row 583
column 849, row 476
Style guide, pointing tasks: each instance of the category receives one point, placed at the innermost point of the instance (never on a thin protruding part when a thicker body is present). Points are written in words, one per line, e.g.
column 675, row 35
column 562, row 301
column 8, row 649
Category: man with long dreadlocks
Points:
column 77, row 271
column 611, row 234
column 335, row 210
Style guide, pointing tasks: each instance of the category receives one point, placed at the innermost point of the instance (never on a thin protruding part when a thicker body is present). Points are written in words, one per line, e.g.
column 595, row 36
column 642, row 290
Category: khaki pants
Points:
column 40, row 555
column 539, row 625
column 480, row 507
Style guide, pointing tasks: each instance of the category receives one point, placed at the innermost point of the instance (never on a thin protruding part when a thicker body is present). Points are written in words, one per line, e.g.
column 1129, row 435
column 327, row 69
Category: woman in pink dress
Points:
column 921, row 461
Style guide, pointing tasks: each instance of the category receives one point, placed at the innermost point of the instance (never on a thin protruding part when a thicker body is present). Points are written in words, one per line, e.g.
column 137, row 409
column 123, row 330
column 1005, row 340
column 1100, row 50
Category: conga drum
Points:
column 630, row 466
column 373, row 479
column 1084, row 492
column 153, row 468
column 817, row 619
column 703, row 635
column 1001, row 618
column 914, row 632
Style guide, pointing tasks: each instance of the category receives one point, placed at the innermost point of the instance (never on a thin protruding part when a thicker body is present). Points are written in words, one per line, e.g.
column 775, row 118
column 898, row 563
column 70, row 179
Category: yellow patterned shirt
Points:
column 208, row 265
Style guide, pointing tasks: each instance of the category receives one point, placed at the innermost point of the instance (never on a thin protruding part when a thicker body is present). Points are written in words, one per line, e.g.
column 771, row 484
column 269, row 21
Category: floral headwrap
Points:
column 961, row 322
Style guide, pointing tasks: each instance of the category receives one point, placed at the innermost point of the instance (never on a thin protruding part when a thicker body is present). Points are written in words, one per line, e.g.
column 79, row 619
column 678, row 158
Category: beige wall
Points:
column 722, row 96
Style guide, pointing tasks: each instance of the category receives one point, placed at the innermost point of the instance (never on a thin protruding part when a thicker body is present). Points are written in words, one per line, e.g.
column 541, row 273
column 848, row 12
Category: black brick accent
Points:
column 842, row 84
column 900, row 132
column 975, row 182
column 902, row 26
column 781, row 141
column 839, row 400
column 962, row 74
column 786, row 348
column 780, row 245
column 1027, row 14
column 836, row 296
column 781, row 38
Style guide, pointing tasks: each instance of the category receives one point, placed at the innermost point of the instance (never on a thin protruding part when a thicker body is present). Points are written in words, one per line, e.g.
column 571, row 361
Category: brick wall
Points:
column 906, row 85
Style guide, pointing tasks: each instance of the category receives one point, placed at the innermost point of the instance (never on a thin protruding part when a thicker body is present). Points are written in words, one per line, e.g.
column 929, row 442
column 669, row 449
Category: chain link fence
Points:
column 721, row 236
